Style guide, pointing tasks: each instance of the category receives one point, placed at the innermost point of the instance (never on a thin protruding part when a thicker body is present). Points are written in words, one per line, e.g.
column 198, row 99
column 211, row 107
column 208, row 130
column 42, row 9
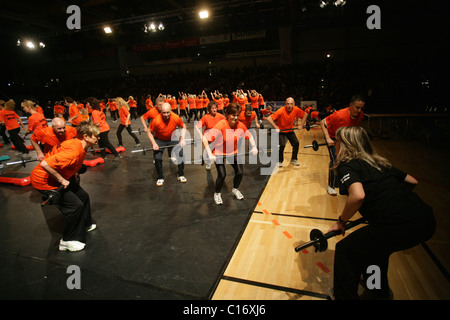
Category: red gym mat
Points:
column 94, row 162
column 17, row 178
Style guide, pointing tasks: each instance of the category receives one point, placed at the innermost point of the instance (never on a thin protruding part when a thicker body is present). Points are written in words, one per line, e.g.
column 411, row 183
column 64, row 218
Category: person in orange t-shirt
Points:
column 207, row 122
column 247, row 116
column 148, row 102
column 182, row 101
column 192, row 102
column 74, row 112
column 125, row 122
column 60, row 169
column 285, row 118
column 58, row 110
column 205, row 102
column 163, row 128
column 254, row 102
column 99, row 119
column 350, row 116
column 219, row 100
column 152, row 113
column 112, row 104
column 224, row 138
column 2, row 126
column 13, row 124
column 51, row 136
column 36, row 120
column 133, row 107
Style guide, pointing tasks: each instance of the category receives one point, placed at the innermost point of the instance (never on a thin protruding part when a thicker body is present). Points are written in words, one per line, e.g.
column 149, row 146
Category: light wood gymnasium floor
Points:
column 264, row 265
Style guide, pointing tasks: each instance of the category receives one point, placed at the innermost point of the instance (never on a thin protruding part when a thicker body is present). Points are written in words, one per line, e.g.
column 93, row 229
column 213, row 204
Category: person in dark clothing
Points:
column 397, row 218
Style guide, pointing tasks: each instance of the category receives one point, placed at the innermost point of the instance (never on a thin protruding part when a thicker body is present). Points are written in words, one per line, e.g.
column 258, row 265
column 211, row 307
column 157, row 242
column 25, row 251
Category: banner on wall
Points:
column 245, row 35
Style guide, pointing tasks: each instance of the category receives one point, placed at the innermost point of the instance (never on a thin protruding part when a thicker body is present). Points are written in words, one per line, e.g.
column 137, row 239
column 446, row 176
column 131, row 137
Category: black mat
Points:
column 169, row 242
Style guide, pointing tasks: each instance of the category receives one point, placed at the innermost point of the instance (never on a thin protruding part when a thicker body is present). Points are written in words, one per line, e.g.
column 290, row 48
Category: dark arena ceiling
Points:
column 46, row 20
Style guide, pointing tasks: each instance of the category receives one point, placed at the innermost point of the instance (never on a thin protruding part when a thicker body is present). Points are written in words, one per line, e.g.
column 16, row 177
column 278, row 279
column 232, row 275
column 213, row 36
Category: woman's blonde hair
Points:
column 355, row 144
column 122, row 103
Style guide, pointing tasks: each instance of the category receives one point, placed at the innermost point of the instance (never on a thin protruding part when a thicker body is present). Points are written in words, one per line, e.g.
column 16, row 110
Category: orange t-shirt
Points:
column 49, row 139
column 261, row 101
column 112, row 106
column 219, row 103
column 9, row 117
column 173, row 103
column 205, row 102
column 224, row 139
column 73, row 111
column 151, row 114
column 208, row 121
column 36, row 122
column 254, row 102
column 132, row 103
column 226, row 102
column 149, row 104
column 59, row 109
column 66, row 158
column 199, row 102
column 123, row 114
column 341, row 118
column 99, row 118
column 163, row 130
column 286, row 120
column 247, row 121
column 192, row 104
column 183, row 104
column 242, row 101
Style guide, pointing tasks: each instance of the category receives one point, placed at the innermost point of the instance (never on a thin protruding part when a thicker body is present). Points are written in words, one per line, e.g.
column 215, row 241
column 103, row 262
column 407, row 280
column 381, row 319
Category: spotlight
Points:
column 152, row 27
column 161, row 27
column 30, row 45
column 107, row 30
column 19, row 42
column 322, row 4
column 203, row 14
column 41, row 45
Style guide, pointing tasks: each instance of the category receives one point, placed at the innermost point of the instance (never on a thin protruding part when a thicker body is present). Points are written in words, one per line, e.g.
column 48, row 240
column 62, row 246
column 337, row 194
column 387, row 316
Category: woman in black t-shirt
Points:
column 397, row 218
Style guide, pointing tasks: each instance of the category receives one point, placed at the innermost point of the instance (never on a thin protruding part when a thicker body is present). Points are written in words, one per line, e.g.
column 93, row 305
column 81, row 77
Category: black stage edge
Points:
column 169, row 242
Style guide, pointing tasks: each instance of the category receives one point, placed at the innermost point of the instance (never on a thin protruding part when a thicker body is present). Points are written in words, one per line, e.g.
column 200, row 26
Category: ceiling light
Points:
column 41, row 45
column 161, row 27
column 203, row 14
column 107, row 30
column 152, row 27
column 19, row 43
column 30, row 45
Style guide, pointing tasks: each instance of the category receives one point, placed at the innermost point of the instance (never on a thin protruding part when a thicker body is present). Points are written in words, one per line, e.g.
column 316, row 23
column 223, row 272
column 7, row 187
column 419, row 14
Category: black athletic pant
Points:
column 177, row 153
column 75, row 206
column 104, row 143
column 119, row 134
column 284, row 136
column 222, row 173
column 332, row 179
column 373, row 246
column 17, row 140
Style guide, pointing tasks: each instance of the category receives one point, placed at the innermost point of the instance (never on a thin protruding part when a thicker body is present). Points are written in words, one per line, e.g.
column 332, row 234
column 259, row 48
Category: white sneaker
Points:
column 235, row 192
column 182, row 179
column 331, row 191
column 91, row 227
column 71, row 245
column 218, row 198
column 295, row 163
column 160, row 182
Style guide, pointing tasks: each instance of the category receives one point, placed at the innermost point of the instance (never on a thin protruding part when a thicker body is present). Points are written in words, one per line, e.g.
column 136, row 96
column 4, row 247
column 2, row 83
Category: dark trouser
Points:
column 119, row 134
column 75, row 206
column 372, row 246
column 222, row 173
column 17, row 140
column 195, row 113
column 104, row 143
column 133, row 113
column 178, row 154
column 3, row 134
column 284, row 136
column 332, row 179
